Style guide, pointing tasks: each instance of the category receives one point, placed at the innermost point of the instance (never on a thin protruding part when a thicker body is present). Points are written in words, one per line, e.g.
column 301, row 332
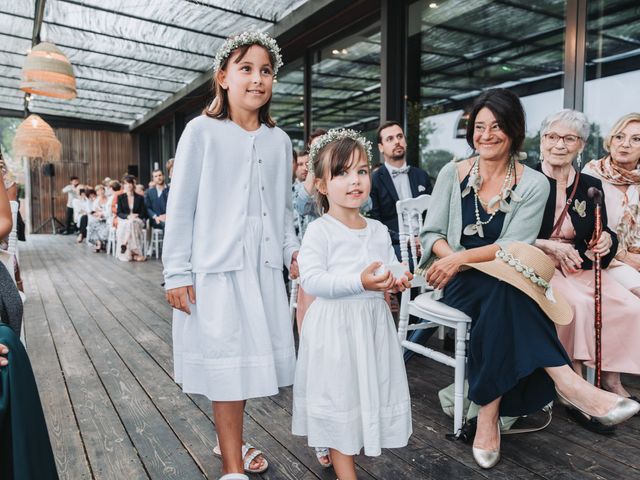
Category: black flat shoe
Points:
column 123, row 248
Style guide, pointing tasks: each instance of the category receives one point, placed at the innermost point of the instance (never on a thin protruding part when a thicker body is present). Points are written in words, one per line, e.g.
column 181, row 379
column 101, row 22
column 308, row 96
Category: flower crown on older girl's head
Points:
column 333, row 135
column 248, row 38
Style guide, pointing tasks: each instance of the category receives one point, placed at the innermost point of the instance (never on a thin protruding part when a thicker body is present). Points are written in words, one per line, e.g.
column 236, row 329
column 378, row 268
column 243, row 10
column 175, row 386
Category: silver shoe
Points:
column 487, row 458
column 624, row 409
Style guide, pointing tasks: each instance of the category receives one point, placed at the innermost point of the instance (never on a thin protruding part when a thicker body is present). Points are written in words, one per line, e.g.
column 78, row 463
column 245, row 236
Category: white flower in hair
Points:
column 337, row 134
column 248, row 38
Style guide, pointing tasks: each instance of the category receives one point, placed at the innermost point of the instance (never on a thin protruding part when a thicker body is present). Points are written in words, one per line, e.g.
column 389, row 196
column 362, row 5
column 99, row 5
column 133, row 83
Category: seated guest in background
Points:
column 140, row 189
column 131, row 222
column 72, row 193
column 81, row 209
column 566, row 236
column 487, row 207
column 170, row 169
column 116, row 190
column 100, row 219
column 300, row 171
column 294, row 167
column 619, row 172
column 304, row 198
column 395, row 180
column 155, row 200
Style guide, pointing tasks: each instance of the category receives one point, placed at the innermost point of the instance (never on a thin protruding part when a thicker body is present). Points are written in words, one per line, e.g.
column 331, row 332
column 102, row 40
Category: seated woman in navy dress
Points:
column 482, row 204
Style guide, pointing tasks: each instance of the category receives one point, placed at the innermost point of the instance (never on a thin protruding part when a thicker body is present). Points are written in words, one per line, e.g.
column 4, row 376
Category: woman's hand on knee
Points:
column 3, row 351
column 443, row 270
column 180, row 298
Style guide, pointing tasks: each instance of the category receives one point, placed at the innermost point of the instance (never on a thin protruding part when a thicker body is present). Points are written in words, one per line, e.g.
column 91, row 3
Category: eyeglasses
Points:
column 621, row 138
column 554, row 138
column 481, row 128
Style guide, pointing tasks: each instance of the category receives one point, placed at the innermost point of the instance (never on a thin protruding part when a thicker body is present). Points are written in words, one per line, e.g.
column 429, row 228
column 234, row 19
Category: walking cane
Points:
column 596, row 196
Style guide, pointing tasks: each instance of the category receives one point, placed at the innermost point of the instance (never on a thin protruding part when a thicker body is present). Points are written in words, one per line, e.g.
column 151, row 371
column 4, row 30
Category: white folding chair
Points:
column 155, row 244
column 427, row 307
column 112, row 241
column 293, row 299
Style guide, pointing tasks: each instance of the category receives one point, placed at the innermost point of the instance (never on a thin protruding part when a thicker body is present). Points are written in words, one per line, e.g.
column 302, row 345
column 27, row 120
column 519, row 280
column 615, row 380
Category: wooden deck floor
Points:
column 98, row 333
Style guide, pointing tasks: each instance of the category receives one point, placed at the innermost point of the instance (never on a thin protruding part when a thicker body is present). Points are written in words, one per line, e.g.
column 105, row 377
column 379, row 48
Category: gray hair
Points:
column 575, row 120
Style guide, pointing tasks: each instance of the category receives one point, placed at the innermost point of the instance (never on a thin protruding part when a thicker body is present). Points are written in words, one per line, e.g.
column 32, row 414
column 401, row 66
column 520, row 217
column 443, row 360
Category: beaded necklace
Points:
column 475, row 184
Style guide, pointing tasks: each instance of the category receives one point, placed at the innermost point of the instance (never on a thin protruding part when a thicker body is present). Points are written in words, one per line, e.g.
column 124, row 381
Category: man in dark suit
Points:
column 394, row 180
column 155, row 199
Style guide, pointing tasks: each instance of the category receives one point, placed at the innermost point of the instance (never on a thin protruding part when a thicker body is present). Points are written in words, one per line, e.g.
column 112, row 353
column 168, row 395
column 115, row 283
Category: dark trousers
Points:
column 70, row 225
column 155, row 224
column 84, row 220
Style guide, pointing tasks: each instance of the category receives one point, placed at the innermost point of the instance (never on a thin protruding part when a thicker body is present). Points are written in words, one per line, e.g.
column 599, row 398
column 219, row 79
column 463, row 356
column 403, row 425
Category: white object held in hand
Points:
column 397, row 270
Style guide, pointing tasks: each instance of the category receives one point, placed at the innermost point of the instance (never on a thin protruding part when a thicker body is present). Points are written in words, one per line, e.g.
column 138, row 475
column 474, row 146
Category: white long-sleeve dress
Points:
column 350, row 391
column 229, row 229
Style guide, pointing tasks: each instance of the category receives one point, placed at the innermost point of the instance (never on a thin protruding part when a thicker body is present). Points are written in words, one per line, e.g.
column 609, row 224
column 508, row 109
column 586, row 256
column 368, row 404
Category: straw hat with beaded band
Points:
column 529, row 270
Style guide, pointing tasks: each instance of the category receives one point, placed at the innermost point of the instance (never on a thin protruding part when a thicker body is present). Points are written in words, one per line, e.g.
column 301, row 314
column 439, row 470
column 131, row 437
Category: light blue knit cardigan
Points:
column 444, row 217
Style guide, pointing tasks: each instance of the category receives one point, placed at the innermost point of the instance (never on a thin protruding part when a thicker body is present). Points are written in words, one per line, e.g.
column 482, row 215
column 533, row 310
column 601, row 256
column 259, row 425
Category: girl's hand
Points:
column 567, row 257
column 402, row 283
column 376, row 283
column 294, row 272
column 604, row 244
column 3, row 351
column 443, row 270
column 179, row 298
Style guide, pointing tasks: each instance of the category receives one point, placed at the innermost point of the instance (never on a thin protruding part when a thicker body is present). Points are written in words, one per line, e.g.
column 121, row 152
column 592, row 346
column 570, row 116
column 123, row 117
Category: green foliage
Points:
column 433, row 160
column 8, row 128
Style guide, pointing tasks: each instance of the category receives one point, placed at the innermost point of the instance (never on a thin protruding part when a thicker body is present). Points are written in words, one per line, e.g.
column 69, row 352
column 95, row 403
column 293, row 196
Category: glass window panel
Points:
column 287, row 103
column 345, row 83
column 612, row 67
column 467, row 46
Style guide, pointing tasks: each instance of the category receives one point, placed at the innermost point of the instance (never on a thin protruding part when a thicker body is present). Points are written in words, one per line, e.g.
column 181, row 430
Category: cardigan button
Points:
column 259, row 160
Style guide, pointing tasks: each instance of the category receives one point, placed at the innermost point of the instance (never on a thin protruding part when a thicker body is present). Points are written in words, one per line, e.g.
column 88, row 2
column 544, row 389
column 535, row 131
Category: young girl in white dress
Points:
column 229, row 231
column 350, row 391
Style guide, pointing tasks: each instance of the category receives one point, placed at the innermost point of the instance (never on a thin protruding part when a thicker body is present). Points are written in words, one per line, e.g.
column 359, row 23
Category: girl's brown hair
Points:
column 219, row 109
column 333, row 159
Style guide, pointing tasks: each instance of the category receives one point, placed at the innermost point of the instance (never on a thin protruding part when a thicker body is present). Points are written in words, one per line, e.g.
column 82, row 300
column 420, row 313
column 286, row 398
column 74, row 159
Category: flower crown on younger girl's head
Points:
column 248, row 38
column 333, row 135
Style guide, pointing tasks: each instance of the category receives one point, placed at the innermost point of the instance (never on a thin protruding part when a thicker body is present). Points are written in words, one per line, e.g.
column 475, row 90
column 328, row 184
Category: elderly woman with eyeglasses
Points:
column 619, row 172
column 566, row 236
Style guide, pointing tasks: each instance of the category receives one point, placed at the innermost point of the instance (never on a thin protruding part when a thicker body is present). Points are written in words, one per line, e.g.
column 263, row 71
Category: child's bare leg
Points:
column 228, row 417
column 344, row 465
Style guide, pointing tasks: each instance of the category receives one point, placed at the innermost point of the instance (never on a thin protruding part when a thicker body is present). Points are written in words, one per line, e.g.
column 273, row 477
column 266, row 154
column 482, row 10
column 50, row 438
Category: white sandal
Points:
column 247, row 459
column 234, row 476
column 323, row 452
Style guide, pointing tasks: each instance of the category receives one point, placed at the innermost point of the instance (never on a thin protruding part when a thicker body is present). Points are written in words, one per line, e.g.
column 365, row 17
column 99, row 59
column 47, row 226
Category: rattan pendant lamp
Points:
column 35, row 139
column 48, row 72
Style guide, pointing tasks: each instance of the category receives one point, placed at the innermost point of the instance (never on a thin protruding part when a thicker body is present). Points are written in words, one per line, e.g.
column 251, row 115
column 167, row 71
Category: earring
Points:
column 579, row 160
column 541, row 157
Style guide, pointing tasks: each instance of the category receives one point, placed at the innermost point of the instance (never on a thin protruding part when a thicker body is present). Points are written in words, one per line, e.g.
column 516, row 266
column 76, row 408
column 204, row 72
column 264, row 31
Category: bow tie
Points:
column 399, row 171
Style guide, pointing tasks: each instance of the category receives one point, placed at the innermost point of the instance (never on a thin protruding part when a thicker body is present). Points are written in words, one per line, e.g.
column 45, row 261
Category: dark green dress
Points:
column 25, row 451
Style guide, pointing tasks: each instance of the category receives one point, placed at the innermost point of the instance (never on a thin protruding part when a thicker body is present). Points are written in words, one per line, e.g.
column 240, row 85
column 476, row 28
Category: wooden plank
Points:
column 123, row 307
column 108, row 447
column 545, row 453
column 64, row 434
column 161, row 452
column 163, row 391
